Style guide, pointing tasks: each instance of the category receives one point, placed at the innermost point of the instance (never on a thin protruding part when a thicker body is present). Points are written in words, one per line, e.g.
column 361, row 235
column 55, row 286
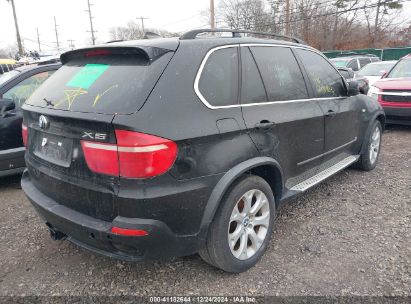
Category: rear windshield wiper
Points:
column 48, row 102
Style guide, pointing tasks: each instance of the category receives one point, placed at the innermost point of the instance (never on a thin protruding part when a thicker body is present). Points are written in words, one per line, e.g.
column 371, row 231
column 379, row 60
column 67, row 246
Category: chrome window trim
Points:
column 208, row 54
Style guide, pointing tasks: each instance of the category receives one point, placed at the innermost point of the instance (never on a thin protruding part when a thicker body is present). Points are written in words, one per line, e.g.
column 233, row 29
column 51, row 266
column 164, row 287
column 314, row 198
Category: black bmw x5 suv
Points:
column 167, row 147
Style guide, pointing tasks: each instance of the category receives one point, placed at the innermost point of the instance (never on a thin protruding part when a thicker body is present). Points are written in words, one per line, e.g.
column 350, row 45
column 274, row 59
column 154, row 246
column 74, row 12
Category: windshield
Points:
column 377, row 69
column 340, row 63
column 7, row 76
column 103, row 84
column 401, row 69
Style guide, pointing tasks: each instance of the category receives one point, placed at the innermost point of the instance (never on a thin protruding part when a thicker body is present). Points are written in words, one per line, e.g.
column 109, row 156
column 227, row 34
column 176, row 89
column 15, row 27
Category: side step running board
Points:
column 314, row 180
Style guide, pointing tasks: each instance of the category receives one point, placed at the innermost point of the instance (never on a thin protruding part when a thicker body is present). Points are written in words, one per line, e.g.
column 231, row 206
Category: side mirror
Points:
column 6, row 107
column 353, row 88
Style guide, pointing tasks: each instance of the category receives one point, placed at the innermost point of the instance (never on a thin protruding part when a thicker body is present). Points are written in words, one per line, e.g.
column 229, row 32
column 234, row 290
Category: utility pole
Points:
column 287, row 17
column 212, row 15
column 20, row 46
column 93, row 38
column 57, row 35
column 71, row 43
column 38, row 39
column 142, row 23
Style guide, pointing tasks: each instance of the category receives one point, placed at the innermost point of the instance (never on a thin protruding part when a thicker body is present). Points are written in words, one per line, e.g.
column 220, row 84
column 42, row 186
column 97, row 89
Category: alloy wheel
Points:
column 249, row 223
column 375, row 145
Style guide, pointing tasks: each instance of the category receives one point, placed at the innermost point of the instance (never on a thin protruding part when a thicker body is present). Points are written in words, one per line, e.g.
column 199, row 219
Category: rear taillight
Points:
column 136, row 155
column 101, row 158
column 24, row 134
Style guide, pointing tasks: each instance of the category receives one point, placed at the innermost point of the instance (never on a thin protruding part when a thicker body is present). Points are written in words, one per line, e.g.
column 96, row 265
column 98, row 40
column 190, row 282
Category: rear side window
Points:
column 326, row 81
column 252, row 88
column 281, row 74
column 219, row 79
column 106, row 84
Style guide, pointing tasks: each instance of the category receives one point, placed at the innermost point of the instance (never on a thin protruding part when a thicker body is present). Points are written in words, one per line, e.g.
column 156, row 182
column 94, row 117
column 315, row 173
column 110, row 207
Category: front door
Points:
column 341, row 113
column 11, row 143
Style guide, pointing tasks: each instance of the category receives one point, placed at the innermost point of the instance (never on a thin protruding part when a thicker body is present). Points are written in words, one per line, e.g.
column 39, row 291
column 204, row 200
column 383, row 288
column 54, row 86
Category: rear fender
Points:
column 227, row 180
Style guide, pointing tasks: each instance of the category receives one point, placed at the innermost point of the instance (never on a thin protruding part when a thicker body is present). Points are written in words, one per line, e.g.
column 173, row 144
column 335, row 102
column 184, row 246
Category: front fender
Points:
column 375, row 115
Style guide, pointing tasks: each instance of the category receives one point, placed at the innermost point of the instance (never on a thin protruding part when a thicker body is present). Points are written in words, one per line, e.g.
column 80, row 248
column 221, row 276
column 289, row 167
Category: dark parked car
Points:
column 15, row 87
column 167, row 147
column 393, row 92
column 354, row 61
column 349, row 75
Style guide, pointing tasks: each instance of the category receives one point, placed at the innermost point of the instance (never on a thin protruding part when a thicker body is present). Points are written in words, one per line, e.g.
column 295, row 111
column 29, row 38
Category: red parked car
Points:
column 393, row 92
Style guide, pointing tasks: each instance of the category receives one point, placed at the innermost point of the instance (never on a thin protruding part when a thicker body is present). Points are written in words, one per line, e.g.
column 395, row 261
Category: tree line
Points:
column 323, row 24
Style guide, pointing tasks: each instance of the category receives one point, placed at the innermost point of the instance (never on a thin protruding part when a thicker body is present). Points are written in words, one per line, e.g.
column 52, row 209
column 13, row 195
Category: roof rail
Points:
column 236, row 34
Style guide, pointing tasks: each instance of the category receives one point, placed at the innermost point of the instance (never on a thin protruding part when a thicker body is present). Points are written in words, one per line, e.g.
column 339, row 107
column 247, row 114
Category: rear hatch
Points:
column 77, row 105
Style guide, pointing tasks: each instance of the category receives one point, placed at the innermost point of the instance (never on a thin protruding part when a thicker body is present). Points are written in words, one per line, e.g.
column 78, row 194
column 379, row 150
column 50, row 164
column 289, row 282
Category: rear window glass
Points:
column 104, row 84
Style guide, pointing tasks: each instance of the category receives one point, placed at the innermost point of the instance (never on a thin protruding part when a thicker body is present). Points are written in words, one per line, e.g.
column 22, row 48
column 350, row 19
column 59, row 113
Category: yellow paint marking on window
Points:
column 98, row 97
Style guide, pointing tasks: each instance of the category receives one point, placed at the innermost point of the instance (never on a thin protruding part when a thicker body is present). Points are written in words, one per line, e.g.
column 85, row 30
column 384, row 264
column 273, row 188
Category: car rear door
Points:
column 342, row 113
column 283, row 121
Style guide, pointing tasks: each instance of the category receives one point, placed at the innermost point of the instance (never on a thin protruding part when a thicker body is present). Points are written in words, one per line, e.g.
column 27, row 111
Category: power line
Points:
column 333, row 13
column 178, row 21
column 93, row 38
column 42, row 43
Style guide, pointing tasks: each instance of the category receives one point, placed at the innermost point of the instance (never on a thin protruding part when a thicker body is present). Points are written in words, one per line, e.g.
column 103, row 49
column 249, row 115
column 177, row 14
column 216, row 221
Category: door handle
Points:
column 264, row 124
column 330, row 113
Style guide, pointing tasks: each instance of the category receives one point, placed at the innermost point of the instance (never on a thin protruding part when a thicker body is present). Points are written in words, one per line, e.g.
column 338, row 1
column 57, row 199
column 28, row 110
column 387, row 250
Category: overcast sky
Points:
column 73, row 22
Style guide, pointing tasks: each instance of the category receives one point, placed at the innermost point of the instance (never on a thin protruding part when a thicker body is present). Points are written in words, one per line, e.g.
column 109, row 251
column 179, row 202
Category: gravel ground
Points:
column 349, row 236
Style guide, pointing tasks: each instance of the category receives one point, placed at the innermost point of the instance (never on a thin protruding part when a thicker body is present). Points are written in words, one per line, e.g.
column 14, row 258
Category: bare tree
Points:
column 133, row 31
column 245, row 14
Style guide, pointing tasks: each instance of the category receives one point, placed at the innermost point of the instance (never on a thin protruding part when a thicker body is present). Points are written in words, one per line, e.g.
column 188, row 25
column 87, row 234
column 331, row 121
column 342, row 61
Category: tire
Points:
column 249, row 231
column 368, row 159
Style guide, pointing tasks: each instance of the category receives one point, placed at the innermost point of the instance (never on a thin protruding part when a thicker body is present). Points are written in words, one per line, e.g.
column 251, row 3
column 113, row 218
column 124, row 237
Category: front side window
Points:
column 22, row 91
column 219, row 79
column 326, row 81
column 281, row 74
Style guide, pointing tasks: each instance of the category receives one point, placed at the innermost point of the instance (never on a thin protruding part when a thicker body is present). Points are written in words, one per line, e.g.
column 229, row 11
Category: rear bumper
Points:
column 94, row 234
column 398, row 115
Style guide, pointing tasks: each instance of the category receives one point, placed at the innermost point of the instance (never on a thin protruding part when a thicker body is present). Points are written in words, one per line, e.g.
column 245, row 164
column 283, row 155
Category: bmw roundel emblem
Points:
column 43, row 122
